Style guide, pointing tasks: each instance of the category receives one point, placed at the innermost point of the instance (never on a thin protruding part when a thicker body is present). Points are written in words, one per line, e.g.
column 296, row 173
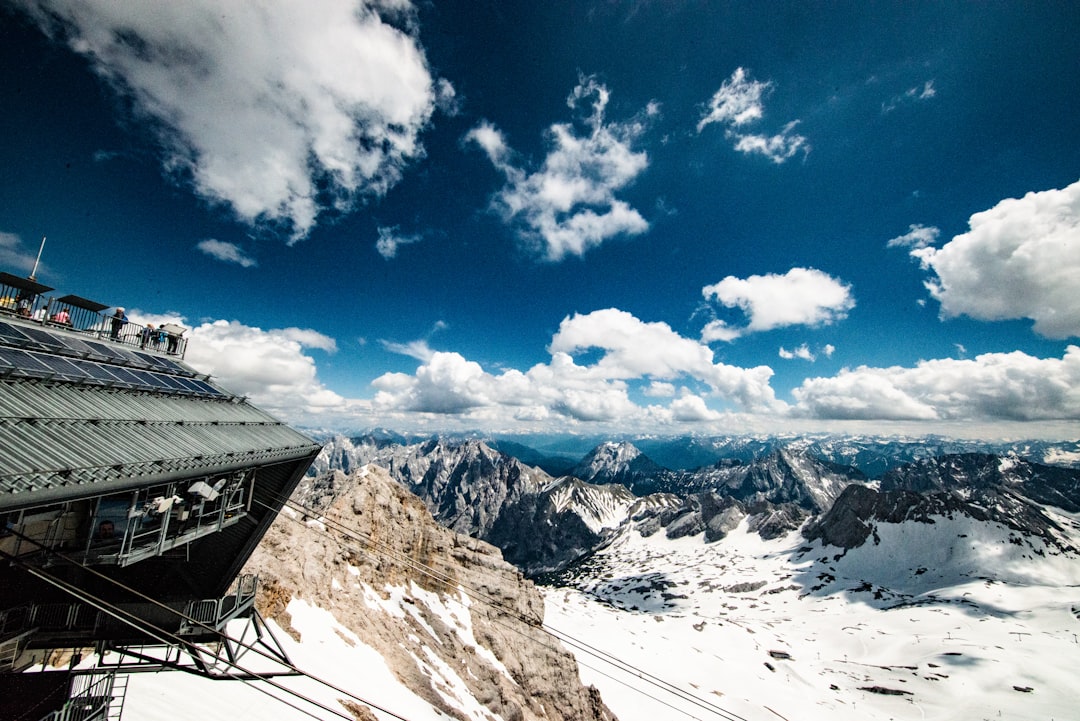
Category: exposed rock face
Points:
column 464, row 484
column 985, row 487
column 784, row 476
column 544, row 531
column 392, row 542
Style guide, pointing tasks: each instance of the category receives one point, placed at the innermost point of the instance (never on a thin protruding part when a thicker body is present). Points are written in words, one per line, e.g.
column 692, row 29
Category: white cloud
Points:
column 631, row 351
column 390, row 240
column 718, row 330
column 569, row 206
column 417, row 349
column 265, row 107
column 802, row 296
column 918, row 93
column 828, row 350
column 226, row 252
column 1020, row 259
column 918, row 236
column 692, row 409
column 660, row 389
column 777, row 148
column 739, row 102
column 994, row 386
column 635, row 349
column 12, row 254
column 268, row 366
column 802, row 352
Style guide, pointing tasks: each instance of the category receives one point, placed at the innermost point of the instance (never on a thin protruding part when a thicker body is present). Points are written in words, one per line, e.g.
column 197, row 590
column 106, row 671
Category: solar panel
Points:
column 98, row 371
column 43, row 337
column 9, row 331
column 150, row 379
column 126, row 376
column 188, row 384
column 62, row 366
column 79, row 346
column 22, row 359
column 204, row 387
column 103, row 350
column 66, row 360
column 171, row 382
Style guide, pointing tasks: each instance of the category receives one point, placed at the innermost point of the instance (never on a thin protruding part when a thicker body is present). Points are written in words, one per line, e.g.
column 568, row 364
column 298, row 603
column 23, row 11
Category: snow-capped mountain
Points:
column 465, row 484
column 567, row 519
column 542, row 523
column 942, row 590
column 613, row 462
column 1026, row 498
column 953, row 621
column 946, row 594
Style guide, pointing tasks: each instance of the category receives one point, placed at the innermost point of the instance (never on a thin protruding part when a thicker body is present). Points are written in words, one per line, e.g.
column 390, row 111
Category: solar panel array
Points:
column 39, row 353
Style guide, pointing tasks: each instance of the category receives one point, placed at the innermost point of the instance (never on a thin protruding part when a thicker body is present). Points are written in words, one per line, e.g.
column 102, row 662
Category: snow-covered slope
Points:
column 952, row 620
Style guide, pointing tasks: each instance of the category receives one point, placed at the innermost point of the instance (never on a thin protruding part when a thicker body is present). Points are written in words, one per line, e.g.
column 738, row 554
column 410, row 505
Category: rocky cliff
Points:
column 373, row 540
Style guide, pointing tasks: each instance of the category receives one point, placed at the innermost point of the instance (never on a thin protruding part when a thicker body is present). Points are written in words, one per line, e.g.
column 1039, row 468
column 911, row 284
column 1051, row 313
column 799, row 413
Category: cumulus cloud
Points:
column 660, row 389
column 911, row 95
column 270, row 367
column 738, row 103
column 1020, row 259
column 630, row 351
column 994, row 386
column 390, row 239
column 802, row 296
column 278, row 110
column 226, row 252
column 633, row 348
column 569, row 205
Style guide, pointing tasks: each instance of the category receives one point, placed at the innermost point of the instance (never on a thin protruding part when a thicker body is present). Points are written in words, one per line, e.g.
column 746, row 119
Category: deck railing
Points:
column 51, row 312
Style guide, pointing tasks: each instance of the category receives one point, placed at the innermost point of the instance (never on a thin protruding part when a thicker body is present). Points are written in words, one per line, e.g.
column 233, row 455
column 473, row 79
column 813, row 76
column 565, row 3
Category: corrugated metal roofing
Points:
column 66, row 435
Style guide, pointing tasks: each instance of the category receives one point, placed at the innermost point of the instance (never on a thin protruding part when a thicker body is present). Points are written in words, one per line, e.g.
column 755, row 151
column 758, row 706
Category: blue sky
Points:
column 662, row 217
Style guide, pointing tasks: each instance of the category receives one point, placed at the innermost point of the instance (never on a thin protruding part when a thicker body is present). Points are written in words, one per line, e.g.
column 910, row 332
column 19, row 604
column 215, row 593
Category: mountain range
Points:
column 779, row 582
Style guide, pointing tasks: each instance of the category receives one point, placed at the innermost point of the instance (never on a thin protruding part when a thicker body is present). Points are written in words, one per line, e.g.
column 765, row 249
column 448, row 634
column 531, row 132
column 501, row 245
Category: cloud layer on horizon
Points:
column 679, row 374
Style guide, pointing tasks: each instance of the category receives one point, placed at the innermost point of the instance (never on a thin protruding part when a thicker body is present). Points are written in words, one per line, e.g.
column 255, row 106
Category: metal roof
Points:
column 80, row 302
column 73, row 428
column 27, row 284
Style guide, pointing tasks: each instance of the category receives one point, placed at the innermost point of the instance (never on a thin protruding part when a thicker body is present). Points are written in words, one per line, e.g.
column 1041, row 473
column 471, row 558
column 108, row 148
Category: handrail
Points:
column 50, row 312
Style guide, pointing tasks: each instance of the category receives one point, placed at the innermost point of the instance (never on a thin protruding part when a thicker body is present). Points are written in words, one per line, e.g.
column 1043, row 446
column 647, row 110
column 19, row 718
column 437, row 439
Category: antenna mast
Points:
column 38, row 260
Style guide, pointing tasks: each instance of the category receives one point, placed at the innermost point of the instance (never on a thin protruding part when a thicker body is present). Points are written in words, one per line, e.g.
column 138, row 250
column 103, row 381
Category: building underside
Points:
column 132, row 491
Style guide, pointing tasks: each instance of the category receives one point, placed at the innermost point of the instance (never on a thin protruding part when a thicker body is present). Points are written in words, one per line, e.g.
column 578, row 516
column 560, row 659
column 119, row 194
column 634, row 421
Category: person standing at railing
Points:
column 24, row 304
column 119, row 320
column 148, row 335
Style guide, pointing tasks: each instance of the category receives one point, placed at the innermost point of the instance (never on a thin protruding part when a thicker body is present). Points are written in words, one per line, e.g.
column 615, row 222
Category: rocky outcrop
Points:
column 784, row 476
column 983, row 487
column 374, row 537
